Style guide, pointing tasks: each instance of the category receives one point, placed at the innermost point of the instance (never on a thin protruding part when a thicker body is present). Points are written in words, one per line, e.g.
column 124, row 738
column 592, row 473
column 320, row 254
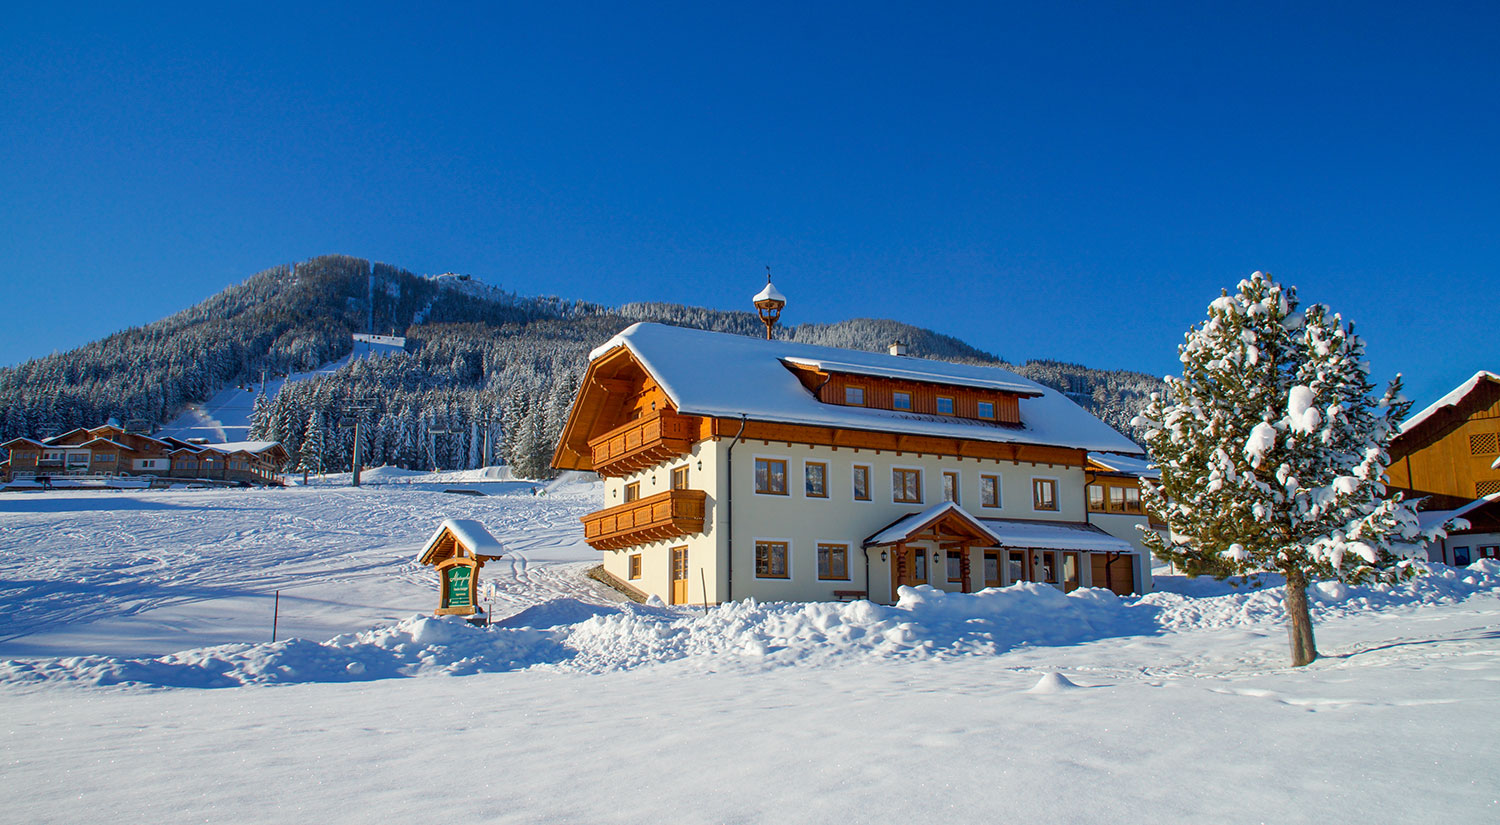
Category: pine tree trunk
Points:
column 1299, row 620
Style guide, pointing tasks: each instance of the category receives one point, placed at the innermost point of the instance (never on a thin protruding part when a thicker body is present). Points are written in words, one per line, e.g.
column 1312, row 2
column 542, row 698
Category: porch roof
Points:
column 1055, row 535
column 946, row 515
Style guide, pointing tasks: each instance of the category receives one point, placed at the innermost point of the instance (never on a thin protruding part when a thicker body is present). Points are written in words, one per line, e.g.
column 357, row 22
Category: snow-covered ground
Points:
column 226, row 416
column 142, row 685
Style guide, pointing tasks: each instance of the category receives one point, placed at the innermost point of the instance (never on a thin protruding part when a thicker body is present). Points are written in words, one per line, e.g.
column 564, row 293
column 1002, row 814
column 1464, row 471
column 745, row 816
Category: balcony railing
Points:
column 655, row 518
column 643, row 443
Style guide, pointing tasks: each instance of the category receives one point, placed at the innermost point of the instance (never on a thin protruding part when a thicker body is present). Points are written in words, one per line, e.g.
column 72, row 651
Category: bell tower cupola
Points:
column 768, row 304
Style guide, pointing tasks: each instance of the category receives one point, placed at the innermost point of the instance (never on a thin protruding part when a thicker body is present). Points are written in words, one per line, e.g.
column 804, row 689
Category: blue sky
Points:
column 1073, row 182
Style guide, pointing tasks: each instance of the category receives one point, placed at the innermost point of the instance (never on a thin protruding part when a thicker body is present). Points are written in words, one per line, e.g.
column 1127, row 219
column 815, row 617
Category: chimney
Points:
column 898, row 348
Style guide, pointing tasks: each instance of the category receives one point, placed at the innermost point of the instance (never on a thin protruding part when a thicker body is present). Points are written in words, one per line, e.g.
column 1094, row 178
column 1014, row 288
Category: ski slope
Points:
column 226, row 416
column 140, row 683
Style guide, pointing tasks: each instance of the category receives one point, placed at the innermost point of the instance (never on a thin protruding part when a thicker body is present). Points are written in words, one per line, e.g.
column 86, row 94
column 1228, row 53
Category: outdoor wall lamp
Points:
column 882, row 555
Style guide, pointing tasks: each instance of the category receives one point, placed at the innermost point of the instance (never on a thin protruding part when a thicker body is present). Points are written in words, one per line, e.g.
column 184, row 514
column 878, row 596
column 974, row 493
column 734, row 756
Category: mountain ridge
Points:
column 488, row 374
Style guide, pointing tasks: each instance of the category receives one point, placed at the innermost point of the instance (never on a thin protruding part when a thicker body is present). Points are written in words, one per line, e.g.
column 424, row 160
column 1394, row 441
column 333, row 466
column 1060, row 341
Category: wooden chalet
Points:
column 112, row 451
column 736, row 467
column 1448, row 455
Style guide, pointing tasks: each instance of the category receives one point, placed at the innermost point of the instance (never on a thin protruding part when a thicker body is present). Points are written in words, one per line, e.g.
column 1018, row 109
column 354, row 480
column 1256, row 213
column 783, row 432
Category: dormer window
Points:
column 945, row 405
column 986, row 409
column 901, row 401
column 854, row 396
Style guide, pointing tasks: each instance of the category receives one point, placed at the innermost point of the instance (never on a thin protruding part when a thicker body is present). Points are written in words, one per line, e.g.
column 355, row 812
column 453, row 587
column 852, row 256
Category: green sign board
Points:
column 458, row 586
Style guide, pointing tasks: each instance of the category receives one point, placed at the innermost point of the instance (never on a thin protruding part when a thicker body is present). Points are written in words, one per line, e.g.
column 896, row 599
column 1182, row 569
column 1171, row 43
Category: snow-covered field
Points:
column 142, row 686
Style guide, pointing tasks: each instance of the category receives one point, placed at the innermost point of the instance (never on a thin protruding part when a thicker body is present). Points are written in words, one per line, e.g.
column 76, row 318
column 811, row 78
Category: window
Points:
column 1049, row 566
column 1117, row 499
column 992, row 568
column 861, row 483
column 950, row 487
column 906, row 486
column 1071, row 581
column 854, row 396
column 104, row 457
column 833, row 562
column 1460, row 557
column 986, row 409
column 989, row 491
column 1489, row 551
column 900, row 400
column 919, row 566
column 680, row 478
column 816, row 479
column 1043, row 494
column 1096, row 497
column 770, row 476
column 635, row 565
column 955, row 565
column 1484, row 443
column 770, row 560
column 1015, row 566
column 945, row 405
column 1132, row 499
column 632, row 491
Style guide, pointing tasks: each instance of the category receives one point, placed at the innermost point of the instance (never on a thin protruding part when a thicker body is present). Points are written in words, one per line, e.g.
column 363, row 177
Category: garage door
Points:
column 1115, row 571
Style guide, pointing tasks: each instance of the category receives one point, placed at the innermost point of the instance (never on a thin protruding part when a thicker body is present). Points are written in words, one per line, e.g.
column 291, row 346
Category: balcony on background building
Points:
column 643, row 443
column 663, row 516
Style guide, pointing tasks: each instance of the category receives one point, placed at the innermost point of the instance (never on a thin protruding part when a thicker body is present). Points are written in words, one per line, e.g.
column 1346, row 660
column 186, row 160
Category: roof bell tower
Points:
column 768, row 304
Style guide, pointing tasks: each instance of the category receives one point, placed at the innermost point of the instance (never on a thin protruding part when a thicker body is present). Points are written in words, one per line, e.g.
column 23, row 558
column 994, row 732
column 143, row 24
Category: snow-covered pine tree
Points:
column 1272, row 448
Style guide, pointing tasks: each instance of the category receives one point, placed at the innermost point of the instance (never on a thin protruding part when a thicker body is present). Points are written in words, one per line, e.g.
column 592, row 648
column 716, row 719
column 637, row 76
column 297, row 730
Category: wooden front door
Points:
column 1070, row 573
column 679, row 575
column 908, row 568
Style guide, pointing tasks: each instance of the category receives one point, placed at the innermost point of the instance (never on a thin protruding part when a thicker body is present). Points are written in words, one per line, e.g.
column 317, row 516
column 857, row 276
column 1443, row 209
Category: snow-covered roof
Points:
column 1051, row 535
column 1138, row 466
column 903, row 528
column 719, row 374
column 469, row 533
column 770, row 293
column 1449, row 400
column 101, row 440
column 22, row 440
column 241, row 446
column 1429, row 519
column 915, row 372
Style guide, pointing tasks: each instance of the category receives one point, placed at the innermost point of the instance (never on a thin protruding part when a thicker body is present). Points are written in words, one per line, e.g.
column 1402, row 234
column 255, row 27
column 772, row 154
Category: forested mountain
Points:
column 487, row 375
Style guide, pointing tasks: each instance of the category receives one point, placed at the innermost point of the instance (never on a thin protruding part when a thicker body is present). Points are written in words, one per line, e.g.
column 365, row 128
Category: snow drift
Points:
column 576, row 636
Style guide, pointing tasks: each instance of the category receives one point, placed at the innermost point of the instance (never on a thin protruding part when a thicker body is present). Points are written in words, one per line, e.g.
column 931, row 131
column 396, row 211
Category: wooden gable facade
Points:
column 1451, row 452
column 622, row 420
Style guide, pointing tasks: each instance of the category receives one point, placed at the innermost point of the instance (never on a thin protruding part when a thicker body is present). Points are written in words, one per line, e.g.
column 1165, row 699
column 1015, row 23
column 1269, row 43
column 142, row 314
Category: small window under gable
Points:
column 854, row 396
column 986, row 409
column 945, row 405
column 900, row 400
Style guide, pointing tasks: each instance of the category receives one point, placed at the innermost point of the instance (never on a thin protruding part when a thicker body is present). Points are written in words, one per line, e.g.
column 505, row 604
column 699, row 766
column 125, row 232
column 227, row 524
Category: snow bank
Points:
column 573, row 635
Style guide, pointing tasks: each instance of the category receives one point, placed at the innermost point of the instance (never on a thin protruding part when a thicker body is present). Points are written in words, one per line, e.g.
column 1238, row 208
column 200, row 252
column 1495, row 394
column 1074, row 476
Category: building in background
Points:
column 110, row 450
column 1449, row 455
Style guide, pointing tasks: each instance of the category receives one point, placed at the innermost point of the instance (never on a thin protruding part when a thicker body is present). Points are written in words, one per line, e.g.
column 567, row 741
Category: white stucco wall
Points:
column 804, row 521
column 1443, row 549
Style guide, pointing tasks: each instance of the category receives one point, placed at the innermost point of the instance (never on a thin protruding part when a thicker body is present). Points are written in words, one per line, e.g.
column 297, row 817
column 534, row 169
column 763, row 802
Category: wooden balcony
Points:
column 643, row 443
column 662, row 516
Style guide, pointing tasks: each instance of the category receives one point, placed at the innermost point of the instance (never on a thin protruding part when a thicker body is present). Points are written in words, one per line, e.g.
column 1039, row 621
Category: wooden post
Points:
column 275, row 615
column 963, row 566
